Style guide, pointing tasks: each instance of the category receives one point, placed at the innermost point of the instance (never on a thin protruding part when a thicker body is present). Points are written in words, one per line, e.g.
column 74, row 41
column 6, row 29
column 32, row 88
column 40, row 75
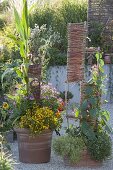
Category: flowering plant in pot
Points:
column 35, row 129
column 93, row 130
column 34, row 121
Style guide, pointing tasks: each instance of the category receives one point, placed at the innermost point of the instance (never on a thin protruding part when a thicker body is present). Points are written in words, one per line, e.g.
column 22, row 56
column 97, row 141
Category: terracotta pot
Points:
column 85, row 161
column 34, row 149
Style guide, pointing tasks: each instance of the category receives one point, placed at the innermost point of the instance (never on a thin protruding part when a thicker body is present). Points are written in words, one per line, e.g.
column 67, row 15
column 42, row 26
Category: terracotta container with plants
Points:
column 88, row 144
column 35, row 134
column 35, row 116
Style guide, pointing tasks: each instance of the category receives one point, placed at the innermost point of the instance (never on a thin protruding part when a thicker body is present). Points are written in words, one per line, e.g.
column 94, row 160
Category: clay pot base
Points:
column 34, row 150
column 85, row 161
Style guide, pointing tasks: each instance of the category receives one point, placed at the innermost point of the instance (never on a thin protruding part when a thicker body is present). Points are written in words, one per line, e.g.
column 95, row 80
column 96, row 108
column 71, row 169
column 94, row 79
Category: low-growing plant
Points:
column 6, row 162
column 69, row 147
column 100, row 148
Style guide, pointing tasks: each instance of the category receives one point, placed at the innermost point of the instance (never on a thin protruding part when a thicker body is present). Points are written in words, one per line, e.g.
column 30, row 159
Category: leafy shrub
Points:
column 57, row 17
column 6, row 162
column 2, row 23
column 101, row 147
column 4, row 6
column 42, row 40
column 96, row 34
column 70, row 147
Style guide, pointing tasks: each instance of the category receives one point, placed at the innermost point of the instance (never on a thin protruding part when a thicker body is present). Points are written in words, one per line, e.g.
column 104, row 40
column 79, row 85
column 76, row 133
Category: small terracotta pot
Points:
column 34, row 149
column 85, row 161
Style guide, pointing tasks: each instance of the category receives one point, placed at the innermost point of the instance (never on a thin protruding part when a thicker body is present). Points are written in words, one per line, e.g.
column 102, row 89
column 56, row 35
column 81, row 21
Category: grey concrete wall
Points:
column 58, row 75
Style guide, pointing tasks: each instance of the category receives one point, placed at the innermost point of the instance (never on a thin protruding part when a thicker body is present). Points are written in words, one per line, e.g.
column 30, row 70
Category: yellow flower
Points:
column 58, row 114
column 5, row 105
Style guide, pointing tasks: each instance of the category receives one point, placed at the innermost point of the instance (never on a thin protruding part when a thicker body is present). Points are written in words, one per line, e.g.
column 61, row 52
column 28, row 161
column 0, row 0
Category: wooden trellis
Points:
column 34, row 72
column 76, row 51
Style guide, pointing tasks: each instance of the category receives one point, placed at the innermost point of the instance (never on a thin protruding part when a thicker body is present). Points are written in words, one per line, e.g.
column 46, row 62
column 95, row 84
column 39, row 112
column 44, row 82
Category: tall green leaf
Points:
column 25, row 19
column 19, row 25
column 7, row 71
column 87, row 130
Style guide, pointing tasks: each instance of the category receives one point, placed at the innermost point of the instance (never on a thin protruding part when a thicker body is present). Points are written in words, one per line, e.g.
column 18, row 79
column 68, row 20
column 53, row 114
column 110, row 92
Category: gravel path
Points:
column 56, row 163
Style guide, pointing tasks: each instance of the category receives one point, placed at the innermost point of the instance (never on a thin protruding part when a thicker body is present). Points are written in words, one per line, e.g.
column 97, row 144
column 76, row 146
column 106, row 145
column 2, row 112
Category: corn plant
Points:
column 21, row 39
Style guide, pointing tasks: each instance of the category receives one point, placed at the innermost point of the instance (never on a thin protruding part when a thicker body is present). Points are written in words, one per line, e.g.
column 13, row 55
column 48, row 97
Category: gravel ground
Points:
column 56, row 163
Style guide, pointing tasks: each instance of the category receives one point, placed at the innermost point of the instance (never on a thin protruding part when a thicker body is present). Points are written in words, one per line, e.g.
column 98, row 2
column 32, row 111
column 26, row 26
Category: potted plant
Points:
column 34, row 122
column 79, row 151
column 93, row 129
column 70, row 148
column 93, row 119
column 6, row 120
column 34, row 119
column 34, row 134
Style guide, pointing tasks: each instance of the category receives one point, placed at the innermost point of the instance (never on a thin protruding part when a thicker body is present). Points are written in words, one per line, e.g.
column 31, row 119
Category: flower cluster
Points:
column 48, row 91
column 50, row 98
column 40, row 119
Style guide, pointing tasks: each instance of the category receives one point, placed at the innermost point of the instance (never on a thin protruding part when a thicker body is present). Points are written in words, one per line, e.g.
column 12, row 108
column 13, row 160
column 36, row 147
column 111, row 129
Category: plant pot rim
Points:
column 27, row 131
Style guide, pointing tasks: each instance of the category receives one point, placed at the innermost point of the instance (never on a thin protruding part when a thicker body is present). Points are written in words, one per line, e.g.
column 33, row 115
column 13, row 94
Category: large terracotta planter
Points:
column 34, row 149
column 85, row 161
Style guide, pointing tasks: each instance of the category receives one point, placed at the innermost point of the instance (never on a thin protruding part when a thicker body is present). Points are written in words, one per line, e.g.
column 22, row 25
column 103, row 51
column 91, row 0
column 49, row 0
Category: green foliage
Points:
column 69, row 95
column 4, row 6
column 6, row 162
column 101, row 147
column 5, row 117
column 69, row 147
column 95, row 35
column 57, row 58
column 8, row 76
column 23, row 30
column 41, row 44
column 92, row 117
column 2, row 23
column 57, row 17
